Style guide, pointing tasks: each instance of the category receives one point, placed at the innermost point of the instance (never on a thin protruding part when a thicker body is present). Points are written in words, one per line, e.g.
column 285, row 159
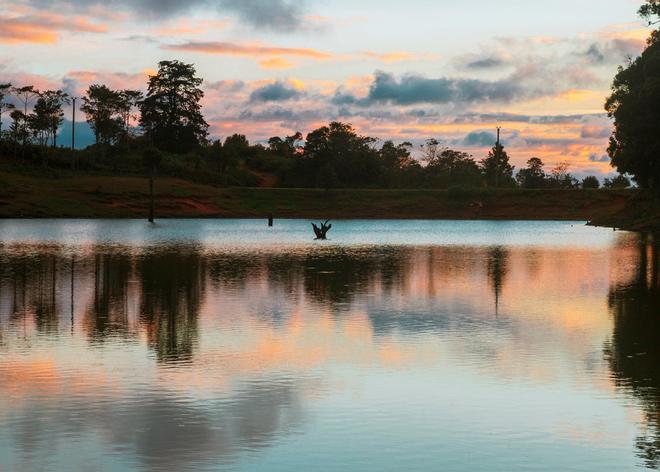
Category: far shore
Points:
column 108, row 197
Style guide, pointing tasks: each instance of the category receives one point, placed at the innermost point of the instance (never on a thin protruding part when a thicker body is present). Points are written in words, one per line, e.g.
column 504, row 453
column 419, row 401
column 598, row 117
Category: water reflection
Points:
column 187, row 356
column 634, row 353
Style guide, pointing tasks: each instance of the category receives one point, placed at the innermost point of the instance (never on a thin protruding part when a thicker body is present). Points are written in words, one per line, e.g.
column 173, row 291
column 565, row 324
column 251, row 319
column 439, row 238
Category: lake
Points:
column 396, row 345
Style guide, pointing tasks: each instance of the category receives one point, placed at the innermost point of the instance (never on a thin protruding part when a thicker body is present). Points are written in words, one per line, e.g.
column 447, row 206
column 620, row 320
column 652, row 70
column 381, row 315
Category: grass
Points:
column 103, row 196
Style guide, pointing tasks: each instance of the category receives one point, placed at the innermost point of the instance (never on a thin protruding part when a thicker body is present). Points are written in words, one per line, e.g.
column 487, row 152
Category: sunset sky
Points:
column 396, row 70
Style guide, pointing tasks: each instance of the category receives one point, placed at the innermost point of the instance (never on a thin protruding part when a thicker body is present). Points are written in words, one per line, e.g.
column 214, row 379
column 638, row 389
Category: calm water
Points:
column 205, row 345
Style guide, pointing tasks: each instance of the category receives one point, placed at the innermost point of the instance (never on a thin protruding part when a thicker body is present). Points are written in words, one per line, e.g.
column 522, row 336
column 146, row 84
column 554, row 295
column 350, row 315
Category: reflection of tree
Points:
column 33, row 281
column 173, row 285
column 108, row 315
column 634, row 353
column 497, row 271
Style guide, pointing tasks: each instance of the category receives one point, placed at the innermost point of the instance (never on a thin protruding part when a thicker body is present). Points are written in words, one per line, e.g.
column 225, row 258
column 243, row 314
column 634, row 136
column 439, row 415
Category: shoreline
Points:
column 126, row 197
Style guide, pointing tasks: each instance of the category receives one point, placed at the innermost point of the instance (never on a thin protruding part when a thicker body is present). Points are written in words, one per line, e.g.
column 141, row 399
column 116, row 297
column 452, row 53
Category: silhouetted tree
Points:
column 591, row 182
column 635, row 107
column 496, row 168
column 336, row 152
column 620, row 181
column 533, row 176
column 47, row 116
column 287, row 147
column 103, row 107
column 560, row 177
column 171, row 111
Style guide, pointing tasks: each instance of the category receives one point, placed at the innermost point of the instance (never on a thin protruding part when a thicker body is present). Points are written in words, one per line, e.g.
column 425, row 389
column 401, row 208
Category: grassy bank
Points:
column 96, row 196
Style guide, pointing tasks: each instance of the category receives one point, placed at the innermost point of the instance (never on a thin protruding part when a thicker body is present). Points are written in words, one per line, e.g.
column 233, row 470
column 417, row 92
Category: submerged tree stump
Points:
column 322, row 232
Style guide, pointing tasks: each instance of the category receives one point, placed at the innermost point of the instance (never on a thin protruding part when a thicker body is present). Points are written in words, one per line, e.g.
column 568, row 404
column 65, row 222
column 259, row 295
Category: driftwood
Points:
column 322, row 232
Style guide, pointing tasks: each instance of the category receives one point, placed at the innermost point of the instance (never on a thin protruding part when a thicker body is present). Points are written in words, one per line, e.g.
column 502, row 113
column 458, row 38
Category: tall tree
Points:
column 496, row 168
column 635, row 107
column 171, row 111
column 129, row 101
column 49, row 112
column 103, row 107
column 533, row 176
column 26, row 95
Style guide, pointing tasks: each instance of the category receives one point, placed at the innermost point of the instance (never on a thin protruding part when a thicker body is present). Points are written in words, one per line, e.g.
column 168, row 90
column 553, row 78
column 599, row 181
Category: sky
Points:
column 405, row 71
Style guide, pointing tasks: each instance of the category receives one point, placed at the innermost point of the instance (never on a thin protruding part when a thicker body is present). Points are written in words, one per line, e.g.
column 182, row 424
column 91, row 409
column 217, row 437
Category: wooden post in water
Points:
column 271, row 220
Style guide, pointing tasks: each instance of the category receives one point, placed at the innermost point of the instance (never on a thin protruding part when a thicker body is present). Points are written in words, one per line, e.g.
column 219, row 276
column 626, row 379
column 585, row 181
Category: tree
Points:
column 48, row 115
column 561, row 178
column 447, row 167
column 533, row 176
column 496, row 168
column 128, row 101
column 591, row 182
column 618, row 182
column 151, row 158
column 337, row 156
column 171, row 111
column 26, row 94
column 394, row 158
column 18, row 131
column 635, row 107
column 103, row 107
column 4, row 106
column 287, row 147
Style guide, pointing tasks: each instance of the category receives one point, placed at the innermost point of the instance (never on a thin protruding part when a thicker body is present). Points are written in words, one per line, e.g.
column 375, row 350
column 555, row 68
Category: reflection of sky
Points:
column 348, row 357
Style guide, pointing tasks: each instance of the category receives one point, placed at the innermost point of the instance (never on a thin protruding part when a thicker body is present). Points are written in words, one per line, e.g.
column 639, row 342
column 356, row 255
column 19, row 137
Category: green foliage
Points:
column 171, row 112
column 533, row 176
column 590, row 182
column 496, row 168
column 635, row 107
column 618, row 182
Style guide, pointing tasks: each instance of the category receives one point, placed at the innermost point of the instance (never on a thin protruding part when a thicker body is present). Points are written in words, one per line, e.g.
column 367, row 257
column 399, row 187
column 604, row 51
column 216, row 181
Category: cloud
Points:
column 480, row 139
column 276, row 63
column 43, row 27
column 234, row 49
column 597, row 158
column 415, row 89
column 275, row 92
column 276, row 15
column 596, row 132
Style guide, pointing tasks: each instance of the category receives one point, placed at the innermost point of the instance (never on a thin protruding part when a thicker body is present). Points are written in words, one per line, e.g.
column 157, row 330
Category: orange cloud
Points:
column 276, row 63
column 43, row 28
column 397, row 56
column 249, row 50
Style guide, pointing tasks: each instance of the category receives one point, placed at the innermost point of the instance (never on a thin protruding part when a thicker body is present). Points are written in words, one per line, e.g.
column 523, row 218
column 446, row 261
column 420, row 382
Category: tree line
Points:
column 165, row 130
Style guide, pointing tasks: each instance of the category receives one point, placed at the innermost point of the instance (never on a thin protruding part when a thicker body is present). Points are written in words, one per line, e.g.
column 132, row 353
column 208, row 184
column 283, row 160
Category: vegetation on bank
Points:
column 104, row 196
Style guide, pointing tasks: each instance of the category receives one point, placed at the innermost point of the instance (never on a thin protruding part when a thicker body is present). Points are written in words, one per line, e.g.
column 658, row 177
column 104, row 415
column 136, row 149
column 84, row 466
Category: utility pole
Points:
column 73, row 133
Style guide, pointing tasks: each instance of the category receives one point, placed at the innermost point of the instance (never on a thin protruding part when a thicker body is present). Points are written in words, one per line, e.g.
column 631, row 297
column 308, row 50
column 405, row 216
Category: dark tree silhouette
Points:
column 171, row 112
column 635, row 107
column 496, row 168
column 620, row 181
column 591, row 182
column 533, row 176
column 104, row 107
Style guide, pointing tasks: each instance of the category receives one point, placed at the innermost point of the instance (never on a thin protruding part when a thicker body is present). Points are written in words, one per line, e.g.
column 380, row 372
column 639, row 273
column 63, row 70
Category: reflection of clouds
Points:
column 179, row 356
column 163, row 431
